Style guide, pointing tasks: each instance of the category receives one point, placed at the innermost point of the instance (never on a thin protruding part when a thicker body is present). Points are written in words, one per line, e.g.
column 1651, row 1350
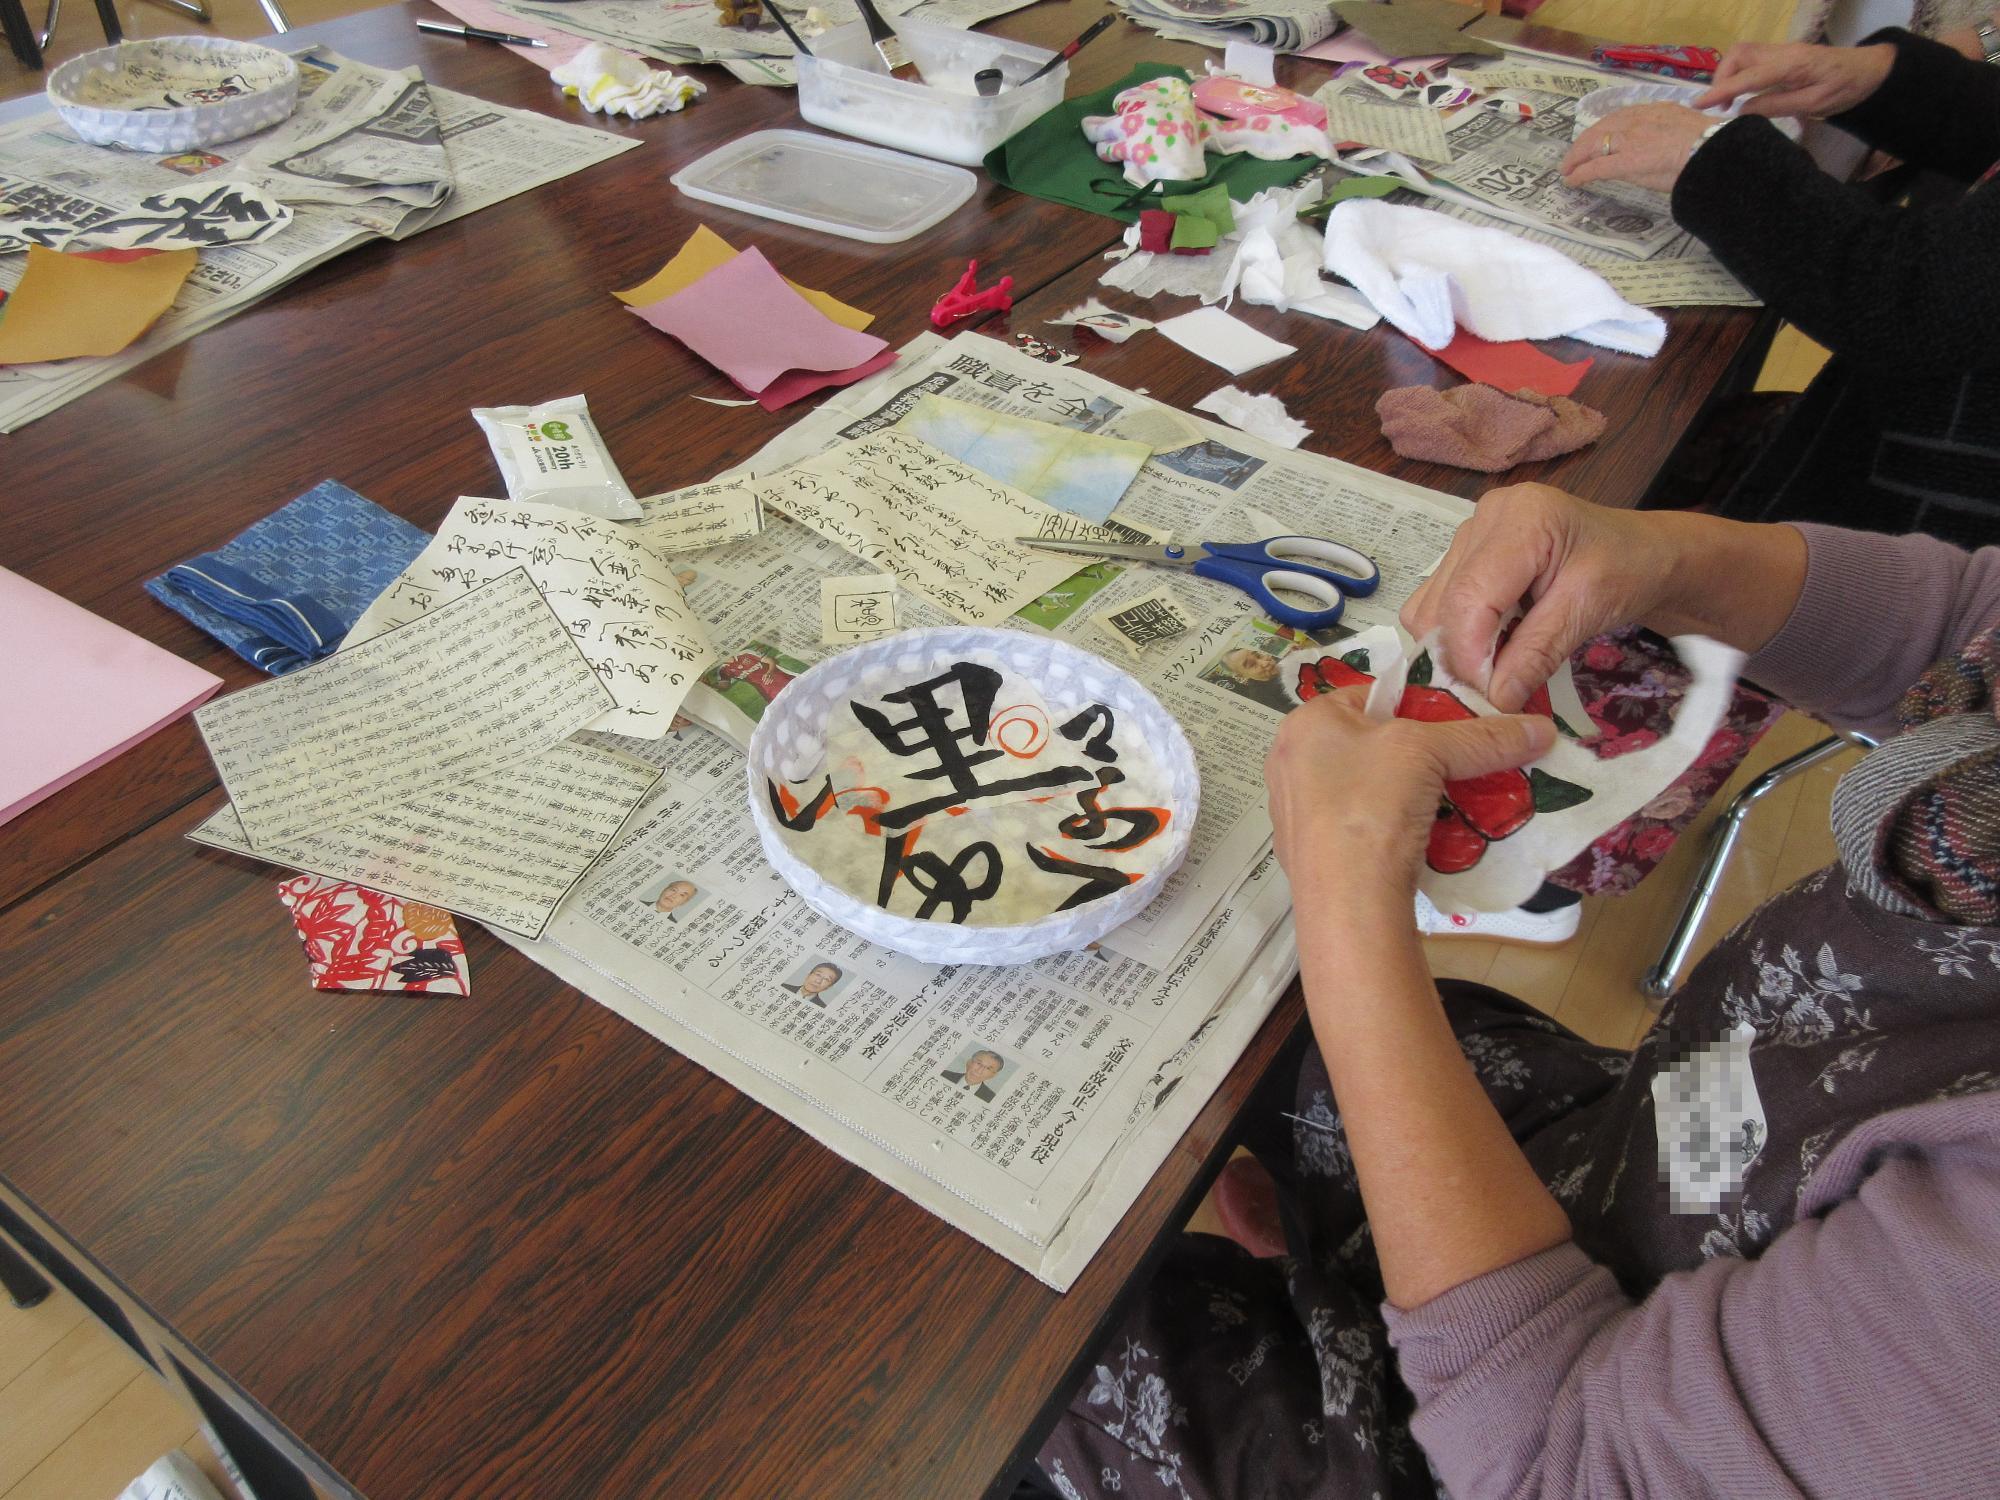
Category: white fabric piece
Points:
column 607, row 81
column 1512, row 862
column 1426, row 273
column 1260, row 416
column 1145, row 274
column 1277, row 259
column 1251, row 63
column 1270, row 258
column 1223, row 340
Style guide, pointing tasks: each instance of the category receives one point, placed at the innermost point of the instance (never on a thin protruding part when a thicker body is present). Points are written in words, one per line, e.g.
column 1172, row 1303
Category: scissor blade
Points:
column 1123, row 550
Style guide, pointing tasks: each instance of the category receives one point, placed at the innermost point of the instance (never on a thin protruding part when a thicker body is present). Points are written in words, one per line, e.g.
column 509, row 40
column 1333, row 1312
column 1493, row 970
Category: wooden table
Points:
column 415, row 1250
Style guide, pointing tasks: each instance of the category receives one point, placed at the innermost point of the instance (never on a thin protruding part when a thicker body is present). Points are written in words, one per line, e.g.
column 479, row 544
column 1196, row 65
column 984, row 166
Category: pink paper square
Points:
column 743, row 319
column 79, row 691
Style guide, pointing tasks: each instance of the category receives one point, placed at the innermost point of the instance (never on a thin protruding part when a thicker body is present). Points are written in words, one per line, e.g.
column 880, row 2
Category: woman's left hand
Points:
column 1354, row 797
column 1646, row 144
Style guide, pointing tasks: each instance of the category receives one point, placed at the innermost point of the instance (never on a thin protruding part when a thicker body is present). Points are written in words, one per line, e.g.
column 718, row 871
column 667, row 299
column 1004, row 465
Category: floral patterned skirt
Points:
column 1631, row 683
column 1236, row 1378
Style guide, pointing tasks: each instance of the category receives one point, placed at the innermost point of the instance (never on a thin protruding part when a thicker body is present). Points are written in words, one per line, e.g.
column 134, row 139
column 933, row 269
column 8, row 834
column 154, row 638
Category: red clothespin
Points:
column 965, row 299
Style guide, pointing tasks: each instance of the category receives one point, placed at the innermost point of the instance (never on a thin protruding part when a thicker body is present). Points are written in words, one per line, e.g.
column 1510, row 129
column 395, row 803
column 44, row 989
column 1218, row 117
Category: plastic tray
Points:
column 844, row 87
column 822, row 182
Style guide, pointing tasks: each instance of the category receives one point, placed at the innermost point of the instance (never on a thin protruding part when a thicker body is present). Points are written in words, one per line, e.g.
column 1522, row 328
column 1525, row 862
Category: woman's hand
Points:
column 1797, row 78
column 1354, row 796
column 1646, row 144
column 1582, row 568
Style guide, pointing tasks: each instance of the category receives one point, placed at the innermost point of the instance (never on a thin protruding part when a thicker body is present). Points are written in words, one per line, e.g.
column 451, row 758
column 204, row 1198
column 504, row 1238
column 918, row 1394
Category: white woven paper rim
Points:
column 790, row 741
column 165, row 130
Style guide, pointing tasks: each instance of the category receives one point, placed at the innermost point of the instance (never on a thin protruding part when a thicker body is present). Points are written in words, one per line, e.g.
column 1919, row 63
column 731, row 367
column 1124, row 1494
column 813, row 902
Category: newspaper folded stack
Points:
column 1286, row 25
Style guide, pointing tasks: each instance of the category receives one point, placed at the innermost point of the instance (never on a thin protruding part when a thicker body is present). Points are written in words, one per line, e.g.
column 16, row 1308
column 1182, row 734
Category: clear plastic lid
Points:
column 823, row 182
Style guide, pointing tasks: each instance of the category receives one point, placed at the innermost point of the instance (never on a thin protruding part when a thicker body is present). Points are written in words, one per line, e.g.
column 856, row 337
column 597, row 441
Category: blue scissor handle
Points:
column 1308, row 565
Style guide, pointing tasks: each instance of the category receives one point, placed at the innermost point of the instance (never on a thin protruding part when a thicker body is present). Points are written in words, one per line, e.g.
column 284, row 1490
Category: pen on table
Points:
column 1090, row 34
column 475, row 34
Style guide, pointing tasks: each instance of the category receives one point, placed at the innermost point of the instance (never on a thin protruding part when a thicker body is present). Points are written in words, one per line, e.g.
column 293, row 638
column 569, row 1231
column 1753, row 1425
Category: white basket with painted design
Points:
column 176, row 93
column 790, row 742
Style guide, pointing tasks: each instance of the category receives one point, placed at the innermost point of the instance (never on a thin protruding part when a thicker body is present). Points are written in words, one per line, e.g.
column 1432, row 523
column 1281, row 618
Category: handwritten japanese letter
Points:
column 503, row 850
column 618, row 597
column 473, row 687
column 702, row 515
column 943, row 528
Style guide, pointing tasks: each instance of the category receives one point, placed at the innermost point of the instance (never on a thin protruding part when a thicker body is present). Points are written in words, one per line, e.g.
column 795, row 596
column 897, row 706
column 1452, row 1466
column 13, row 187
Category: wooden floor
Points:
column 81, row 1416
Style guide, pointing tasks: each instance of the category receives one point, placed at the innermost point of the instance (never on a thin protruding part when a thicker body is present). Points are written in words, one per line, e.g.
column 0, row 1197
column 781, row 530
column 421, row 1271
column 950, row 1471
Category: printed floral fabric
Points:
column 1234, row 1377
column 358, row 939
column 1631, row 683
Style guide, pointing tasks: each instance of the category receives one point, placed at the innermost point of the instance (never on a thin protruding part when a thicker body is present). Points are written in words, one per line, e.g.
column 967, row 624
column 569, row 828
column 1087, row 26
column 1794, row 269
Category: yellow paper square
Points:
column 704, row 251
column 70, row 305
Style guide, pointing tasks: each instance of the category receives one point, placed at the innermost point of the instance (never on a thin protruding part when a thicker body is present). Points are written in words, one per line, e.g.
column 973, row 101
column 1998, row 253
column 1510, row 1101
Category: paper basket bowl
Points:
column 790, row 741
column 103, row 95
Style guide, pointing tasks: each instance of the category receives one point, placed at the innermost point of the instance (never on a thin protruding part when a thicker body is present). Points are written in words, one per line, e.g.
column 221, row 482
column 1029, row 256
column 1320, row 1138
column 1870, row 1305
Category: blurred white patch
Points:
column 1710, row 1124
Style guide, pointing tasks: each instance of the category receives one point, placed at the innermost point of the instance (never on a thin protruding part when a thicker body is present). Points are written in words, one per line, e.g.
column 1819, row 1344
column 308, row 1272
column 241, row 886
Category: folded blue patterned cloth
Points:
column 286, row 591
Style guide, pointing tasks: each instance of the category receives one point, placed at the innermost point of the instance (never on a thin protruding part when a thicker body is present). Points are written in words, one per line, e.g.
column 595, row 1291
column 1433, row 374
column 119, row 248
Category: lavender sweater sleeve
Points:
column 1854, row 1358
column 1875, row 612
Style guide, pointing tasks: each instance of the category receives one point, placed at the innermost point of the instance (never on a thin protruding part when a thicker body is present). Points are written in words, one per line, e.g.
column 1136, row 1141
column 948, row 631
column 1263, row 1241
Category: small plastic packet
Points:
column 553, row 454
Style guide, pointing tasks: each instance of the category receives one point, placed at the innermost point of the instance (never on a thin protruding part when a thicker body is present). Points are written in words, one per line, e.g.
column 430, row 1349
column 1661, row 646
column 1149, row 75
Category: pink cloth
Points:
column 1477, row 427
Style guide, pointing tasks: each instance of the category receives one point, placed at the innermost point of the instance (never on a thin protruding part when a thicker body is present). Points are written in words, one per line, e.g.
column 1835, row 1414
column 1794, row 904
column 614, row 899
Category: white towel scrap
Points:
column 1425, row 272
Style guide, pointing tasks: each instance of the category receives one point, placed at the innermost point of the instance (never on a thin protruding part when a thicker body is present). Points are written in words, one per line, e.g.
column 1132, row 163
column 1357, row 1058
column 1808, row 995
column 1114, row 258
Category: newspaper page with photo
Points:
column 761, row 598
column 1512, row 168
column 371, row 152
column 1026, row 1105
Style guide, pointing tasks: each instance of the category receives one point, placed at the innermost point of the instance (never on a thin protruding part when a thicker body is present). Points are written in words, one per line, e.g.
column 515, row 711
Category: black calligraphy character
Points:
column 930, row 730
column 1091, row 824
column 203, row 218
column 791, row 814
column 940, row 882
column 1102, row 879
column 1098, row 746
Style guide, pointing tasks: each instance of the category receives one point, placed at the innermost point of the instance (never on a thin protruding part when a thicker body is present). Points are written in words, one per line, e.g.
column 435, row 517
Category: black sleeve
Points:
column 1915, row 290
column 1937, row 108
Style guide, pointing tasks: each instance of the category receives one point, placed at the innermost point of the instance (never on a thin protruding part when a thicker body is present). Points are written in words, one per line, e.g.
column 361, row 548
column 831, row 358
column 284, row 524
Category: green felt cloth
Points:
column 1352, row 187
column 1051, row 159
column 1211, row 204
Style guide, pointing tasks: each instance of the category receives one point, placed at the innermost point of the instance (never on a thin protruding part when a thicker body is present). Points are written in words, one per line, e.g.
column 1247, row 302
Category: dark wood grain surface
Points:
column 511, row 1245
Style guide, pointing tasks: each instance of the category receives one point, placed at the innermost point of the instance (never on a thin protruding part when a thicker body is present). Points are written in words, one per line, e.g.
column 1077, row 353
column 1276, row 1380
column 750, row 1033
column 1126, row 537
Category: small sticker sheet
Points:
column 856, row 609
column 1145, row 622
column 1103, row 321
column 358, row 939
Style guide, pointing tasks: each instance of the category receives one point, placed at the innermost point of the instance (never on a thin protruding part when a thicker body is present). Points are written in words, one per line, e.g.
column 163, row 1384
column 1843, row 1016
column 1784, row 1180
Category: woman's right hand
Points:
column 1798, row 79
column 1582, row 569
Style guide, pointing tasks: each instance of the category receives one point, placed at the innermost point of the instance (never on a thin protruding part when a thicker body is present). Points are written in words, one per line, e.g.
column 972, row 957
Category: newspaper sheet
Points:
column 370, row 153
column 1102, row 1056
column 1512, row 169
column 1286, row 25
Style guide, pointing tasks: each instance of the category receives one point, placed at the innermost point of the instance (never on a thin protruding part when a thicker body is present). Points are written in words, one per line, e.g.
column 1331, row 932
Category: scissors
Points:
column 1308, row 565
